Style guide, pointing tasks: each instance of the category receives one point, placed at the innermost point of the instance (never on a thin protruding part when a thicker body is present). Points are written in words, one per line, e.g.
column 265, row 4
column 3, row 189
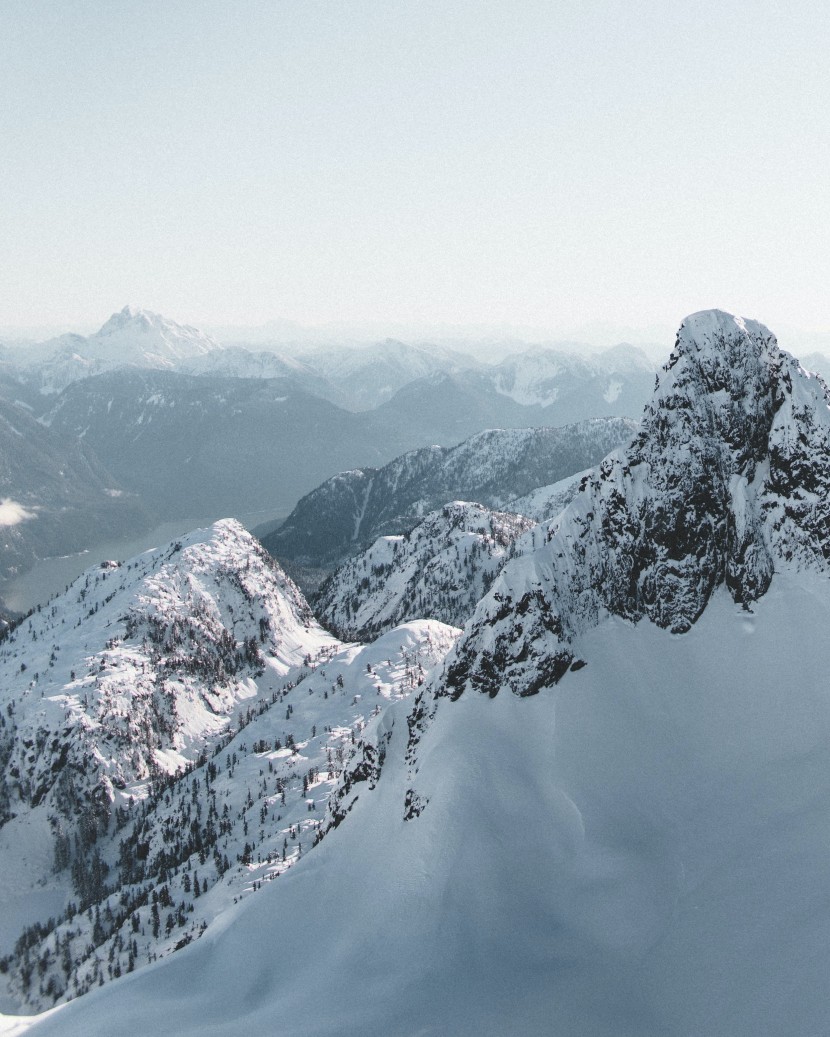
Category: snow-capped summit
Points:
column 727, row 481
column 130, row 338
column 135, row 336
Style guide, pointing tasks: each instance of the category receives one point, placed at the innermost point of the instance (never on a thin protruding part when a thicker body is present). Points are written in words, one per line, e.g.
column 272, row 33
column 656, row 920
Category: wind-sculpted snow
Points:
column 439, row 570
column 728, row 479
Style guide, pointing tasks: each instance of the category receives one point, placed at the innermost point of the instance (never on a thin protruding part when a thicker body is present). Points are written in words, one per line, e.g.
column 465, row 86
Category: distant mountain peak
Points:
column 135, row 335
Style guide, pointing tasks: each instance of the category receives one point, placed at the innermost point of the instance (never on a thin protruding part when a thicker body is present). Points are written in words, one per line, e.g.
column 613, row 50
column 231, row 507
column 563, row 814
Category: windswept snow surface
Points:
column 641, row 851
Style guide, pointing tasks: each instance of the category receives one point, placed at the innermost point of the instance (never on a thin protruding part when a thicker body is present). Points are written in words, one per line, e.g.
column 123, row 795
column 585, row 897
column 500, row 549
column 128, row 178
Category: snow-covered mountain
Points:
column 363, row 378
column 351, row 510
column 727, row 479
column 172, row 728
column 634, row 843
column 438, row 570
column 136, row 336
column 542, row 377
column 130, row 338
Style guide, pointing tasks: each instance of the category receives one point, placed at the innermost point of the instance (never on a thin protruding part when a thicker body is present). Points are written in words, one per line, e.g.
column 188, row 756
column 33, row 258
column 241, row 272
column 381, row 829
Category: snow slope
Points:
column 545, row 502
column 641, row 853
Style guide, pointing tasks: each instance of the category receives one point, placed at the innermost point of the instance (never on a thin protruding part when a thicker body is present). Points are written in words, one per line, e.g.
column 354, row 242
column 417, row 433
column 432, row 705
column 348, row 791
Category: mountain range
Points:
column 605, row 812
column 186, row 430
column 352, row 509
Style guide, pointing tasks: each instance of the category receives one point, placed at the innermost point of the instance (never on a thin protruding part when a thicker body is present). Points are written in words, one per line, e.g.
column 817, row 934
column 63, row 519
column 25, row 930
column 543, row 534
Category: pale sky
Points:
column 523, row 162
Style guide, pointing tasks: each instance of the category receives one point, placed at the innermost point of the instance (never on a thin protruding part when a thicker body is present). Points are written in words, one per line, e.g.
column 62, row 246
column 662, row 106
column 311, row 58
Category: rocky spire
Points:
column 728, row 479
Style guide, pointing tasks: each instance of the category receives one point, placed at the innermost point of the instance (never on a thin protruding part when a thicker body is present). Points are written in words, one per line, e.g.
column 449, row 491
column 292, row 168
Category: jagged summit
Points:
column 137, row 336
column 727, row 480
column 130, row 338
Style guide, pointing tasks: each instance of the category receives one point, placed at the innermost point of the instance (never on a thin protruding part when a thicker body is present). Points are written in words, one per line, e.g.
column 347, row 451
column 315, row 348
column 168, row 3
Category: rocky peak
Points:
column 728, row 479
column 134, row 336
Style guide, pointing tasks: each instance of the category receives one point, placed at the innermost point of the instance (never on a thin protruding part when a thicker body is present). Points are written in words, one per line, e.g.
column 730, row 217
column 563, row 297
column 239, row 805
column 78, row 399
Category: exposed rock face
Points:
column 728, row 479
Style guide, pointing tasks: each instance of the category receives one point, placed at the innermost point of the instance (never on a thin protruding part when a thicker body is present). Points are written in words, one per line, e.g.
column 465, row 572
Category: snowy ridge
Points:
column 439, row 570
column 178, row 725
column 546, row 502
column 728, row 479
column 349, row 511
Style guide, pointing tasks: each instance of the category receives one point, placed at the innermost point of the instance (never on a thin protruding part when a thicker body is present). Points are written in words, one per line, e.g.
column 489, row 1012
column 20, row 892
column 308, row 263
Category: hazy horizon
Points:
column 656, row 341
column 491, row 164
